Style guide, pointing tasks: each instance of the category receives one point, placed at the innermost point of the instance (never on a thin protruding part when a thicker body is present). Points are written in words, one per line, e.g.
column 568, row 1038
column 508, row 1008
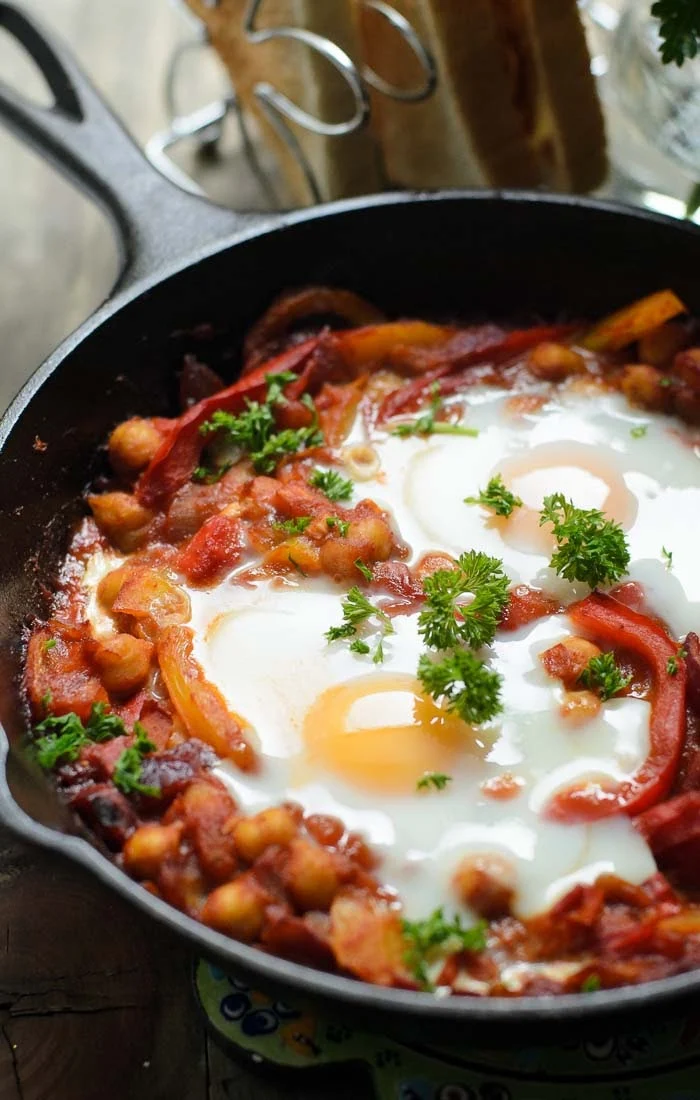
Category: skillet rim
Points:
column 319, row 984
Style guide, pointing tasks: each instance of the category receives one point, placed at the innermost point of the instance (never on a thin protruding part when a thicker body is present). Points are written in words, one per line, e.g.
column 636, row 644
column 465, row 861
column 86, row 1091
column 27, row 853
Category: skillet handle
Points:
column 157, row 222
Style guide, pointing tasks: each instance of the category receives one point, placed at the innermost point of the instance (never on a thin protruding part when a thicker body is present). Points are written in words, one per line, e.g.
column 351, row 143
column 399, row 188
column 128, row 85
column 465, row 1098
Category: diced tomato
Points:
column 213, row 551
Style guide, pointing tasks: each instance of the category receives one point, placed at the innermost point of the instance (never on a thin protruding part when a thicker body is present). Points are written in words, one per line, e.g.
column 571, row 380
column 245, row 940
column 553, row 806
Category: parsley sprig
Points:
column 127, row 770
column 254, row 432
column 435, row 780
column 679, row 29
column 435, row 938
column 602, row 675
column 497, row 497
column 331, row 484
column 446, row 621
column 428, row 424
column 295, row 526
column 672, row 662
column 63, row 736
column 469, row 688
column 590, row 548
column 357, row 610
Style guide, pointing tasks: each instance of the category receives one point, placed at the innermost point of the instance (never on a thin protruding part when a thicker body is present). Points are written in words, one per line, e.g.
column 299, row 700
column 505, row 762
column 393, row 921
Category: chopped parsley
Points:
column 470, row 689
column 602, row 674
column 63, row 736
column 428, row 424
column 357, row 609
column 127, row 770
column 254, row 432
column 668, row 555
column 496, row 497
column 446, row 621
column 672, row 662
column 364, row 569
column 49, row 644
column 331, row 484
column 435, row 938
column 342, row 526
column 276, row 384
column 639, row 432
column 295, row 564
column 590, row 548
column 209, row 475
column 591, row 984
column 295, row 526
column 437, row 780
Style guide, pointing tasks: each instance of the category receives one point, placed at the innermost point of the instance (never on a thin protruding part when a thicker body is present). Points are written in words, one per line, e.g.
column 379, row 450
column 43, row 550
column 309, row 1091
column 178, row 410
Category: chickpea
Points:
column 123, row 663
column 325, row 829
column 686, row 366
column 554, row 362
column 567, row 660
column 368, row 539
column 122, row 519
column 642, row 386
column 310, row 875
column 109, row 587
column 252, row 835
column 148, row 847
column 486, row 883
column 579, row 707
column 660, row 345
column 237, row 908
column 132, row 445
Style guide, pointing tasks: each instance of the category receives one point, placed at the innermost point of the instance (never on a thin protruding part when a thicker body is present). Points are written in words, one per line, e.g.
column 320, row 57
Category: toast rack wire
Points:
column 205, row 125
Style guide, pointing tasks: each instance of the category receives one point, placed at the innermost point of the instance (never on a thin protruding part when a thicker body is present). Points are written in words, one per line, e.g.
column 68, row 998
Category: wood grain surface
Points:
column 95, row 1001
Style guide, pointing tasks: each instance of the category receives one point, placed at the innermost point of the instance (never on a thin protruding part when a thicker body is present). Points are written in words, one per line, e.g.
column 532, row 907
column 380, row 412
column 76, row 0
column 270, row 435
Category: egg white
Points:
column 264, row 647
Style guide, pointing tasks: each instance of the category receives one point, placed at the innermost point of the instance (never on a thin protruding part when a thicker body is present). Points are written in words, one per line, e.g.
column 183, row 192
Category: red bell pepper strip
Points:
column 176, row 458
column 611, row 622
column 465, row 350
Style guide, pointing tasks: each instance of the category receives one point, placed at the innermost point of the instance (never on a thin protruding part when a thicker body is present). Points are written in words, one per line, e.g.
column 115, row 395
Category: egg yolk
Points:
column 382, row 734
column 574, row 469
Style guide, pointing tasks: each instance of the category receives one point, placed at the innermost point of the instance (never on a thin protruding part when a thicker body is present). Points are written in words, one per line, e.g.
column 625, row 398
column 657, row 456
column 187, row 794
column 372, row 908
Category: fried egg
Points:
column 344, row 736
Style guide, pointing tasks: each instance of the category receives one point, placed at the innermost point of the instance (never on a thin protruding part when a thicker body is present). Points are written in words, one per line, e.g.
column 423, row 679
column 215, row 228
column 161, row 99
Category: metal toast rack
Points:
column 205, row 125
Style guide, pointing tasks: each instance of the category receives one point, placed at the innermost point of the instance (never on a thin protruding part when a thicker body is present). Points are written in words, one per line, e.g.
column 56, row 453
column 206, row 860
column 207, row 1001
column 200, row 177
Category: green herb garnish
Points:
column 364, row 569
column 293, row 562
column 668, row 555
column 49, row 644
column 358, row 646
column 496, row 497
column 679, row 29
column 672, row 662
column 427, row 424
column 276, row 384
column 435, row 938
column 602, row 675
column 591, row 548
column 470, row 689
column 591, row 984
column 128, row 768
column 357, row 609
column 639, row 432
column 342, row 526
column 254, row 433
column 331, row 484
column 446, row 621
column 437, row 780
column 64, row 735
column 209, row 475
column 295, row 526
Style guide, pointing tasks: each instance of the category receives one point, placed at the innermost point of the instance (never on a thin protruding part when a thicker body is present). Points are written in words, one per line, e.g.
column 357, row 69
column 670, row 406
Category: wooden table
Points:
column 95, row 1001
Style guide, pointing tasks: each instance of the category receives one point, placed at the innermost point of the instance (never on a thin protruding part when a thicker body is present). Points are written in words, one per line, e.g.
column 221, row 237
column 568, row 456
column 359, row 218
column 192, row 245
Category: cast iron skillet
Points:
column 186, row 262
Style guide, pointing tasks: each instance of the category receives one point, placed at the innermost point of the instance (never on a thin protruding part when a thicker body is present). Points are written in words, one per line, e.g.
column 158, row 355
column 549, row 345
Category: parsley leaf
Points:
column 471, row 690
column 603, row 675
column 295, row 526
column 427, row 424
column 127, row 770
column 341, row 525
column 276, row 384
column 437, row 780
column 668, row 555
column 496, row 497
column 437, row 937
column 591, row 984
column 209, row 475
column 357, row 609
column 253, row 432
column 49, row 644
column 331, row 484
column 672, row 662
column 364, row 569
column 64, row 735
column 358, row 646
column 591, row 548
column 445, row 622
column 679, row 29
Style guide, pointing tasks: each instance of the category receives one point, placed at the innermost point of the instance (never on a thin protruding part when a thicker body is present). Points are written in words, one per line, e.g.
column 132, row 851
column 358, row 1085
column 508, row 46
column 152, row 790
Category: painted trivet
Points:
column 659, row 1063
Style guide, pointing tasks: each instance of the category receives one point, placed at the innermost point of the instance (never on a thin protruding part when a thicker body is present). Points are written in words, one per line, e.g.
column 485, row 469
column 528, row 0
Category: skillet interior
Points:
column 455, row 256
